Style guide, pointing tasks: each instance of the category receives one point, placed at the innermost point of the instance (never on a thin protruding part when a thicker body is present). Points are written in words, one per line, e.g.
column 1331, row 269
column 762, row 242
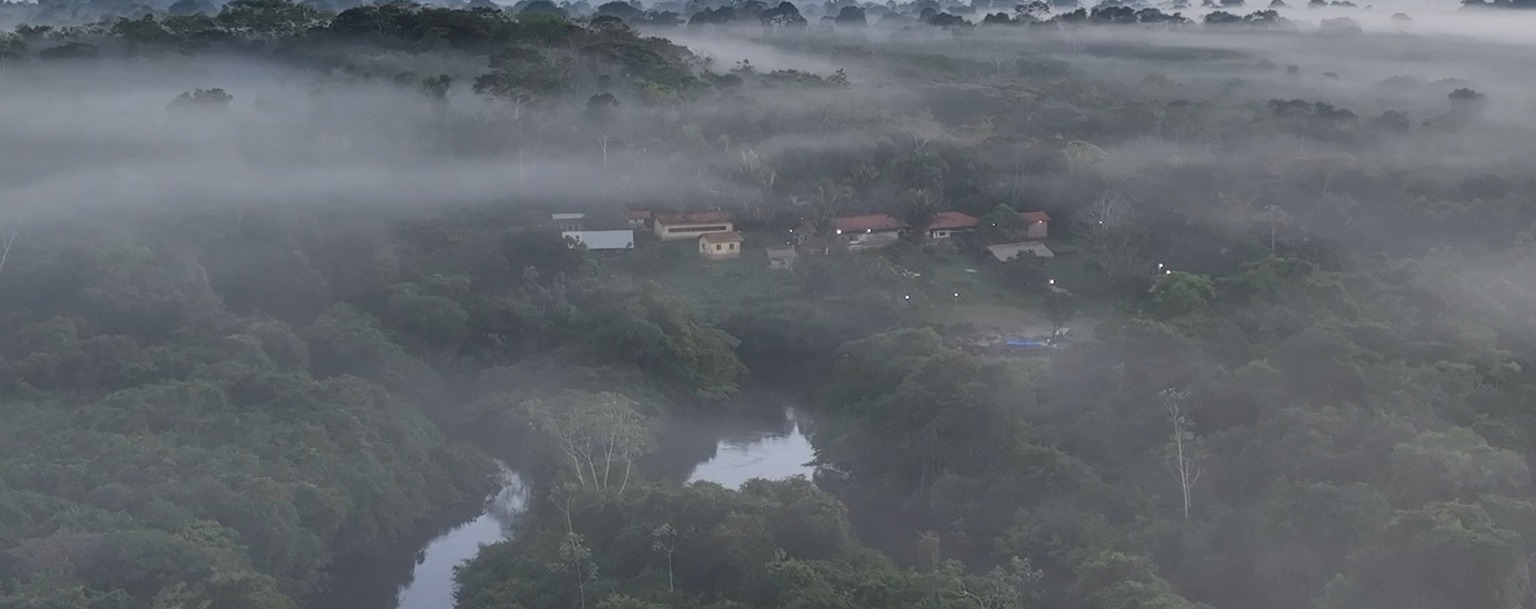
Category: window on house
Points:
column 699, row 229
column 717, row 247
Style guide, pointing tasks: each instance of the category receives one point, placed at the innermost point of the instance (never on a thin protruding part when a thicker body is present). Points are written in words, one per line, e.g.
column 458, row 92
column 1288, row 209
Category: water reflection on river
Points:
column 743, row 447
column 763, row 454
column 431, row 584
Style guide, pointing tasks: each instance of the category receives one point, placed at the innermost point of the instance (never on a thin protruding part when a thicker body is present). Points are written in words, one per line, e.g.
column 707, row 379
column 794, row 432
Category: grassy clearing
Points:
column 921, row 286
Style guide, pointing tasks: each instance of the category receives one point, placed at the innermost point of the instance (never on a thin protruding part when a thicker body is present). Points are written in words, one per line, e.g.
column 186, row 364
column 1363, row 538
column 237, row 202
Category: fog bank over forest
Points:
column 1079, row 309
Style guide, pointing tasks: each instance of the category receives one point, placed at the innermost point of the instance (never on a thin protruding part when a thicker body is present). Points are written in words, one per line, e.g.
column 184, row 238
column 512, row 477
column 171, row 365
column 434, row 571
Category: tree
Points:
column 436, row 87
column 1178, row 293
column 269, row 18
column 601, row 108
column 184, row 8
column 620, row 9
column 9, row 231
column 783, row 15
column 1060, row 305
column 202, row 99
column 664, row 540
column 1105, row 230
column 1117, row 580
column 520, row 74
column 851, row 16
column 1467, row 104
column 1184, row 452
column 1274, row 217
column 1082, row 156
column 575, row 558
column 822, row 210
column 1456, row 464
column 928, row 543
column 920, row 208
column 434, row 322
column 542, row 7
column 595, row 432
column 1444, row 555
column 1035, row 10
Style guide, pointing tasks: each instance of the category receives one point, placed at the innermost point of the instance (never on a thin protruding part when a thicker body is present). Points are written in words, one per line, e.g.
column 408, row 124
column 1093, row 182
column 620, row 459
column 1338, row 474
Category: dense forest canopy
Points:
column 279, row 281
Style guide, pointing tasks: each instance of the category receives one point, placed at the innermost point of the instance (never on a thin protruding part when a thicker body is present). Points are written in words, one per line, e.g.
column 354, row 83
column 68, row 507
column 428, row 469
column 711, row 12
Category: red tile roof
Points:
column 871, row 222
column 1035, row 216
column 640, row 214
column 951, row 220
column 694, row 217
column 729, row 237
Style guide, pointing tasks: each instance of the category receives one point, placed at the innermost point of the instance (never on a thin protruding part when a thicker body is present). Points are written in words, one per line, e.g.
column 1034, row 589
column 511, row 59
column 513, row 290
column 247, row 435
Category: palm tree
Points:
column 822, row 210
column 920, row 208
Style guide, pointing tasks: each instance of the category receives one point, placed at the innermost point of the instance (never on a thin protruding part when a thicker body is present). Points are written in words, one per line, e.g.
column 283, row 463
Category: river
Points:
column 744, row 447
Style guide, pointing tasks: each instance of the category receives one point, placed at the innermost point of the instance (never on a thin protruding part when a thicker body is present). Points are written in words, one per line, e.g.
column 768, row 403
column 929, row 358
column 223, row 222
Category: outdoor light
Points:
column 957, row 294
column 907, row 297
column 839, row 231
column 1168, row 272
column 1159, row 265
column 1051, row 281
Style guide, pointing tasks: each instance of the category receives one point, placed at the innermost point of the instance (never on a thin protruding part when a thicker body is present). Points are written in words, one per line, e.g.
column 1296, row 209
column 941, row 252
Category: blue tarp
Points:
column 1024, row 344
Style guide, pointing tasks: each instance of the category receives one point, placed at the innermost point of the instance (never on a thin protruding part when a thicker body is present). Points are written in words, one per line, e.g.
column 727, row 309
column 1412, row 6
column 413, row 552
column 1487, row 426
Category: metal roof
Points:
column 726, row 237
column 603, row 239
column 951, row 220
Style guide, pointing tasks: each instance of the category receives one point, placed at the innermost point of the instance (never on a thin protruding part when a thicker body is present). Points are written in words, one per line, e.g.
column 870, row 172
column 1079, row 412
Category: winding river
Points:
column 420, row 573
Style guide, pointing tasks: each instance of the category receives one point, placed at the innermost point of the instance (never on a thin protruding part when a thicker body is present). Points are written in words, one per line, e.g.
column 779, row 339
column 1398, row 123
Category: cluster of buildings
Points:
column 718, row 238
column 874, row 231
column 715, row 232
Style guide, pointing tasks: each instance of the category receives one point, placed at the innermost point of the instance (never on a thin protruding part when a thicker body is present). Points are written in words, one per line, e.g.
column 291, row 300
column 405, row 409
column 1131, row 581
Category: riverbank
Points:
column 418, row 574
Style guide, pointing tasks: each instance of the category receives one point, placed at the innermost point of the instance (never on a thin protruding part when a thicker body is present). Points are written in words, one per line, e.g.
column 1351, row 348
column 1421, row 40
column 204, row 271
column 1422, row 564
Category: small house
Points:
column 640, row 219
column 1004, row 252
column 782, row 257
column 1036, row 224
column 871, row 231
column 569, row 222
column 691, row 225
column 601, row 240
column 947, row 224
column 720, row 246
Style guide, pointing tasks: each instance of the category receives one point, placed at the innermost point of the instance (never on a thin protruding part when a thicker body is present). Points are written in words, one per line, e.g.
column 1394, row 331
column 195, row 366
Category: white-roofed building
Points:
column 602, row 240
column 569, row 222
column 1008, row 251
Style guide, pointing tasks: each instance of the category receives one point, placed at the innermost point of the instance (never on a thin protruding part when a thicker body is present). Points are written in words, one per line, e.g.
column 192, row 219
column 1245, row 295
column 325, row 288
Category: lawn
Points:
column 945, row 289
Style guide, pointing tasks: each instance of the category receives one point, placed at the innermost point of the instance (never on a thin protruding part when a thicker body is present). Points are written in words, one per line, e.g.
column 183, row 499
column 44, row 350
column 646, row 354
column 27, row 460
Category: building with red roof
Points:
column 690, row 225
column 1036, row 224
column 869, row 223
column 869, row 231
column 949, row 223
column 639, row 219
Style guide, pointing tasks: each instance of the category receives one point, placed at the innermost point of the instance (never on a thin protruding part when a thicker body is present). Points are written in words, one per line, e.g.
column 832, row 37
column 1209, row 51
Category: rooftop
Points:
column 639, row 214
column 694, row 217
column 603, row 239
column 559, row 217
column 1035, row 216
column 777, row 252
column 951, row 220
column 1008, row 251
column 727, row 237
column 870, row 222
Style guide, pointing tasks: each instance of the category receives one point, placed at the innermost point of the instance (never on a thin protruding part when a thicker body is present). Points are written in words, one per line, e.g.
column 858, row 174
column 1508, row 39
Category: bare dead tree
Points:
column 664, row 540
column 1183, row 452
column 1105, row 231
column 10, row 240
